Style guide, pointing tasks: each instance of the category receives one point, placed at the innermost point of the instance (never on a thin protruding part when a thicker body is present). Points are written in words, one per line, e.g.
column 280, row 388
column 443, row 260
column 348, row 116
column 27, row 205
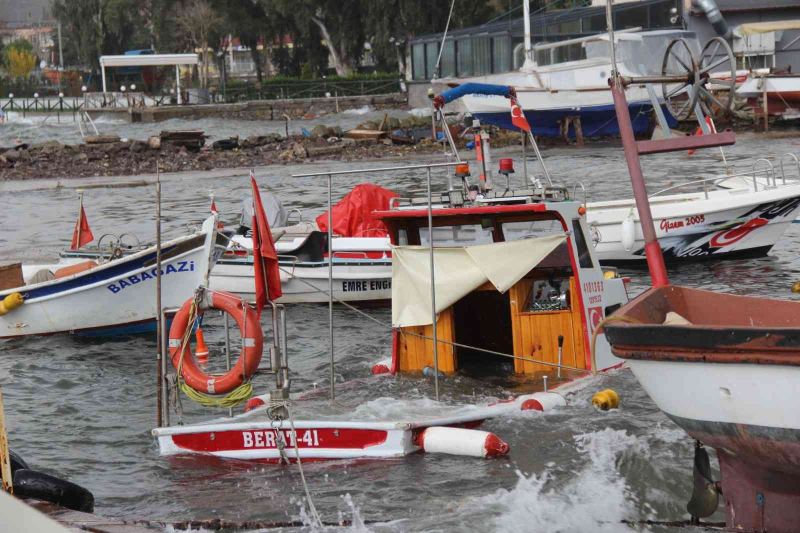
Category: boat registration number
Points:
column 306, row 438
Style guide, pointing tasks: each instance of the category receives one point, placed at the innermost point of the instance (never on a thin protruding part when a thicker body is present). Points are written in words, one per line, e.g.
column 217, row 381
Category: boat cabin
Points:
column 515, row 275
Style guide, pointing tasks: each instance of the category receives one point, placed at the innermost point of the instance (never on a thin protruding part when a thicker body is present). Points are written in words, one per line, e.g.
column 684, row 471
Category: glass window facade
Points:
column 448, row 65
column 494, row 51
column 431, row 54
column 501, row 54
column 464, row 57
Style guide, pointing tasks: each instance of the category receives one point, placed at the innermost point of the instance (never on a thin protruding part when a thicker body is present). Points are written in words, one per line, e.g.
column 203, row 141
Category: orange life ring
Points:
column 248, row 361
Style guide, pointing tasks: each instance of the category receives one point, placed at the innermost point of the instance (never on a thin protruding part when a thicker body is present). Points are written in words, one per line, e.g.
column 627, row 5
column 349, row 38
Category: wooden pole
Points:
column 766, row 105
column 5, row 461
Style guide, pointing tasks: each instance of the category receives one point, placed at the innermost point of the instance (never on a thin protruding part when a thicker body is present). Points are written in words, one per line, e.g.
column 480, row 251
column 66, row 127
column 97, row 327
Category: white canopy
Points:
column 149, row 60
column 752, row 28
column 458, row 271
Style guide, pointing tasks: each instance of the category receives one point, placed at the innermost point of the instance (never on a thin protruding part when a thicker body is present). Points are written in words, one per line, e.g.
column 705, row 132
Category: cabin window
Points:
column 584, row 256
column 457, row 235
column 402, row 237
column 550, row 294
column 529, row 229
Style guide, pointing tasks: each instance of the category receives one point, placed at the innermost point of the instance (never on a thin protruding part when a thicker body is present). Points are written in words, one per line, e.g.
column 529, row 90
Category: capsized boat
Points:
column 112, row 297
column 521, row 309
column 722, row 367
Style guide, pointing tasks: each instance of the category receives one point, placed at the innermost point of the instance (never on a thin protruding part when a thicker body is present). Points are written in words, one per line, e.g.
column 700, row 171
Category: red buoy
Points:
column 252, row 403
column 380, row 368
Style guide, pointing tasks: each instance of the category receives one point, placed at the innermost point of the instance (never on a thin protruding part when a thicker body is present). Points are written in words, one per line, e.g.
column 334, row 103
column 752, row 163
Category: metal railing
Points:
column 768, row 173
column 310, row 89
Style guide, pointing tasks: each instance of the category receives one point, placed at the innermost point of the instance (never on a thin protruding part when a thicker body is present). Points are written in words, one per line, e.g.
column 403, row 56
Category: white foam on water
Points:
column 358, row 110
column 596, row 498
column 420, row 112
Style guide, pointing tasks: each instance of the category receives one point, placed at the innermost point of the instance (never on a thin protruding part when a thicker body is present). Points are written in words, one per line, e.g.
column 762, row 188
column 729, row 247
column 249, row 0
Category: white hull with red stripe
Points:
column 253, row 436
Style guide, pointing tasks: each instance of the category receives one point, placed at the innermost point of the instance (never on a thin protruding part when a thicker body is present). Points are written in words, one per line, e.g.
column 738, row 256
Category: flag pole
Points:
column 80, row 217
column 159, row 310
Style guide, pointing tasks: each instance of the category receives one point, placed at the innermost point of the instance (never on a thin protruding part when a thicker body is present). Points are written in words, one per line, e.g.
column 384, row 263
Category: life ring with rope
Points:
column 183, row 358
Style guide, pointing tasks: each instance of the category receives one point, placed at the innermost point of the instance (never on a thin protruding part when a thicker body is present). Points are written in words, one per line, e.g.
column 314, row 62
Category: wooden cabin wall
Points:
column 415, row 352
column 536, row 334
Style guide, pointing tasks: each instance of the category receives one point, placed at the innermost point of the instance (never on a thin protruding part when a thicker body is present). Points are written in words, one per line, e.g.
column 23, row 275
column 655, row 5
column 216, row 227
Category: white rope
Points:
column 444, row 36
column 311, row 505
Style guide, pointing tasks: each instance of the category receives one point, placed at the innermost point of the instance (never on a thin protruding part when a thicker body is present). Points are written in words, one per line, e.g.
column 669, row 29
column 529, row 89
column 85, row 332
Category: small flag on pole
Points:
column 265, row 257
column 518, row 116
column 82, row 234
column 215, row 211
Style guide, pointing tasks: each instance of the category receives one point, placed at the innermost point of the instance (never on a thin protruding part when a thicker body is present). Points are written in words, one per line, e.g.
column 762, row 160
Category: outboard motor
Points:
column 277, row 216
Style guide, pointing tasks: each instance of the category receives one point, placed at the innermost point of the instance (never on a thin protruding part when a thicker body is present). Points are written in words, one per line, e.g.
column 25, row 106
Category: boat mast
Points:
column 526, row 14
column 652, row 249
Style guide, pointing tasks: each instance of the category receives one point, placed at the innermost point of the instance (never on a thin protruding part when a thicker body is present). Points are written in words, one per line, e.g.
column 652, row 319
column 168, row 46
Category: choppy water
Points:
column 84, row 408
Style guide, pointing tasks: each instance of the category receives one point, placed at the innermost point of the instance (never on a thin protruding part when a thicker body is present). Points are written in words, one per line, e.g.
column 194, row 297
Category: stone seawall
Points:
column 295, row 108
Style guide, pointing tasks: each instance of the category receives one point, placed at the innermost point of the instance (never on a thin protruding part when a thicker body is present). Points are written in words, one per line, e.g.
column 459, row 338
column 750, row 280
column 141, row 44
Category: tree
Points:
column 197, row 20
column 337, row 24
column 19, row 62
column 248, row 20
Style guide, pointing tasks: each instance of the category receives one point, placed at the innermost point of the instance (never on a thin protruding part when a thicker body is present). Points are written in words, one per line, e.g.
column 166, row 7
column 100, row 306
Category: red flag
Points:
column 82, row 234
column 214, row 207
column 518, row 117
column 699, row 131
column 265, row 258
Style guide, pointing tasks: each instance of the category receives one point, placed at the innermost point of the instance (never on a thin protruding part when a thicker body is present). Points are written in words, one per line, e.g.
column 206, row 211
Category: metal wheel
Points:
column 716, row 81
column 678, row 61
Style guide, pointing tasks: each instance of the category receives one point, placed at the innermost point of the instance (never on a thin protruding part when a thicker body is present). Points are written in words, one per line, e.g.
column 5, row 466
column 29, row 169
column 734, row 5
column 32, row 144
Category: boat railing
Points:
column 293, row 258
column 583, row 190
column 291, row 212
column 770, row 172
column 796, row 162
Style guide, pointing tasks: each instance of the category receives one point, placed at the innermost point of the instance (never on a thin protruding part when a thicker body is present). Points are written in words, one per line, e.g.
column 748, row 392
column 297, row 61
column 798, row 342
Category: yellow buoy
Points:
column 11, row 302
column 605, row 400
column 609, row 274
column 796, row 286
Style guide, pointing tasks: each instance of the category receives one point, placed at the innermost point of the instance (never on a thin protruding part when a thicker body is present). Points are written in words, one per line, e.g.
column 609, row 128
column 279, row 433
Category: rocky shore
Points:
column 187, row 151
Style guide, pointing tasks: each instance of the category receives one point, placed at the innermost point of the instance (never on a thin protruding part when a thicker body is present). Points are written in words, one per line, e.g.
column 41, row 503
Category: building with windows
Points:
column 498, row 46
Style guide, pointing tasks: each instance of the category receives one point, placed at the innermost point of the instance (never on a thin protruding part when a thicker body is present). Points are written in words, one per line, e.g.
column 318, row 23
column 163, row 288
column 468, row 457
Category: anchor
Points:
column 705, row 491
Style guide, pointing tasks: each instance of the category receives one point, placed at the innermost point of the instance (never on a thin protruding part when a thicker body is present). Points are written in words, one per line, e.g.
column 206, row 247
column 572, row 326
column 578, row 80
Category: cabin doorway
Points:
column 483, row 320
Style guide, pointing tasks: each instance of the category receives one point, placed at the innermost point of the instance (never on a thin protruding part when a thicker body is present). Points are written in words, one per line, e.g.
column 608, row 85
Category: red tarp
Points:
column 352, row 216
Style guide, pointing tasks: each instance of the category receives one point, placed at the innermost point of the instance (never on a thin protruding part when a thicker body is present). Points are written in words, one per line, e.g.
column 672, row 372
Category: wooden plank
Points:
column 5, row 462
column 365, row 134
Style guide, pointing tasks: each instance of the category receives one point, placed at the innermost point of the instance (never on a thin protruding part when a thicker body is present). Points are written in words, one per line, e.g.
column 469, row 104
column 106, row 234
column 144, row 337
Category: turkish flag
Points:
column 518, row 117
column 214, row 207
column 82, row 234
column 265, row 257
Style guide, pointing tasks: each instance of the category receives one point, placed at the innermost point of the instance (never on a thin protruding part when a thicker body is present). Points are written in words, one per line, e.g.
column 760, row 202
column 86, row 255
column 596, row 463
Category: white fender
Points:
column 628, row 232
column 540, row 401
column 460, row 441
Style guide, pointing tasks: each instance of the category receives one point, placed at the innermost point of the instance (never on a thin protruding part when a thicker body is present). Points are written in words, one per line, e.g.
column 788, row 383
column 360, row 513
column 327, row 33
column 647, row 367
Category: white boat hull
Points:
column 731, row 222
column 366, row 282
column 118, row 297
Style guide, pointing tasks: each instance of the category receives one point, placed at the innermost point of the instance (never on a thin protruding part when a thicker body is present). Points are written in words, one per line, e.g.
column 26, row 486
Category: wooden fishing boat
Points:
column 722, row 367
column 111, row 297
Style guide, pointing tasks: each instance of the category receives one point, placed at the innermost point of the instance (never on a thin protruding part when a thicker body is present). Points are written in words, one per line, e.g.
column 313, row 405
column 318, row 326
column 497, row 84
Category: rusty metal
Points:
column 691, row 142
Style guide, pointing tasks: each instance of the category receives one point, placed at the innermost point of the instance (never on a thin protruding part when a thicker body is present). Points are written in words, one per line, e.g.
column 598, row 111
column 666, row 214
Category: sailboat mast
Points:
column 526, row 15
